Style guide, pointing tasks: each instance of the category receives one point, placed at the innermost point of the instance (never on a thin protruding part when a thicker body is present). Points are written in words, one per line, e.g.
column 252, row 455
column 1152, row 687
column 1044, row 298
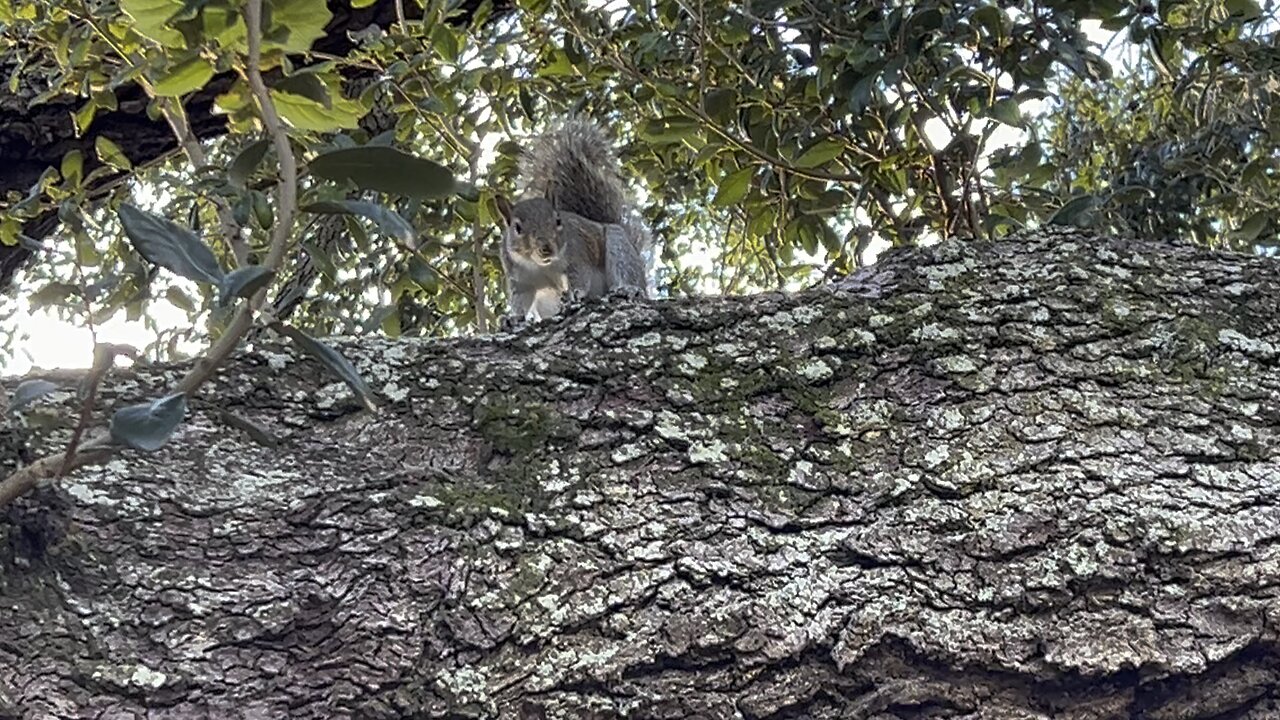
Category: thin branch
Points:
column 99, row 448
column 176, row 116
column 104, row 355
column 479, row 233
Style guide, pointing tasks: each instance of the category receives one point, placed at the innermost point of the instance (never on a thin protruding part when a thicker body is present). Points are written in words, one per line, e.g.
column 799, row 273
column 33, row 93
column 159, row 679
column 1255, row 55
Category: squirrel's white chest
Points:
column 546, row 303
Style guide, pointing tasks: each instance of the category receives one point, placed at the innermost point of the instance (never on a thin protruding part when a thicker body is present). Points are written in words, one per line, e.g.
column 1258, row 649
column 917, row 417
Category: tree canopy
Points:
column 771, row 143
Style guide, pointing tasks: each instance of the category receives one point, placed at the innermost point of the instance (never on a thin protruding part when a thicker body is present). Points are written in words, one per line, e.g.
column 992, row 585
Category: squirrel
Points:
column 573, row 236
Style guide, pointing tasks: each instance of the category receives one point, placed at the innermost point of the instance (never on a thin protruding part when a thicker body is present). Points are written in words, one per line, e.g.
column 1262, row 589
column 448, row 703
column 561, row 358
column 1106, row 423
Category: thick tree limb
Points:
column 1027, row 479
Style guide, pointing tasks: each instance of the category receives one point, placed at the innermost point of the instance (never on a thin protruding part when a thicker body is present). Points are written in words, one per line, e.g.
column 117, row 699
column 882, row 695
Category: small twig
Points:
column 99, row 448
column 479, row 232
column 177, row 119
column 255, row 432
column 104, row 356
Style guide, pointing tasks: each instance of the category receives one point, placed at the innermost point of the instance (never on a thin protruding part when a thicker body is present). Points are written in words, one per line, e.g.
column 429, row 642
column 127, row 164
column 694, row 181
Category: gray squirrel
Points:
column 573, row 236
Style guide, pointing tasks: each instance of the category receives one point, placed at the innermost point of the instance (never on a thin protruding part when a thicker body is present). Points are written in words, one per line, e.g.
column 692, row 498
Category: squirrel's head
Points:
column 532, row 229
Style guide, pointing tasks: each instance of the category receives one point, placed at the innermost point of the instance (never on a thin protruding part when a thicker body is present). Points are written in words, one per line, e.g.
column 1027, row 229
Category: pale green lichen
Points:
column 801, row 472
column 951, row 419
column 1250, row 346
column 330, row 395
column 394, row 392
column 936, row 274
column 712, row 451
column 934, row 331
column 430, row 502
column 958, row 364
column 466, row 683
column 276, row 361
column 936, row 456
column 146, row 677
column 627, row 453
column 649, row 339
column 806, row 314
column 689, row 364
column 668, row 426
column 815, row 371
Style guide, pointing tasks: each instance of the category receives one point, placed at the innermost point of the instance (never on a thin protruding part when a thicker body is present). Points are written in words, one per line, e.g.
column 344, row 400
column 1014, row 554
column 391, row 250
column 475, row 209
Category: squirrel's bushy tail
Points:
column 574, row 163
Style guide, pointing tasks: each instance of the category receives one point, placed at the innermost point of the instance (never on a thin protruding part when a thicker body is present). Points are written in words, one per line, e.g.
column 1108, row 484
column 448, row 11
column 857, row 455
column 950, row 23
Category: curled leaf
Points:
column 148, row 426
column 331, row 359
column 28, row 391
column 244, row 282
column 389, row 221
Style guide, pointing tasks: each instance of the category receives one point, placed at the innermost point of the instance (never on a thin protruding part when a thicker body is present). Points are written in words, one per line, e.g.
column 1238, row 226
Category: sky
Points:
column 46, row 342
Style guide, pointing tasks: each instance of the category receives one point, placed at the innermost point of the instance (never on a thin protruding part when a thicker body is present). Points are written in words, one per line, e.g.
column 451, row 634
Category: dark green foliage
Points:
column 384, row 169
column 771, row 144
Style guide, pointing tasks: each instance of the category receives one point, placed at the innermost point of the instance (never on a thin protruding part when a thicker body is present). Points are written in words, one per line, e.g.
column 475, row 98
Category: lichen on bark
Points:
column 1024, row 479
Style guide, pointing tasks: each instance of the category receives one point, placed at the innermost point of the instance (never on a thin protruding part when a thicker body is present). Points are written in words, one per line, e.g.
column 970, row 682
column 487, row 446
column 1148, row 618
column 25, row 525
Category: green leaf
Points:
column 719, row 102
column 28, row 391
column 307, row 85
column 1007, row 112
column 72, row 167
column 1253, row 227
column 821, row 153
column 179, row 299
column 445, row 42
column 734, row 187
column 291, row 26
column 151, row 18
column 389, row 221
column 262, row 211
column 184, row 78
column 307, row 114
column 331, row 359
column 110, row 153
column 1075, row 212
column 671, row 129
column 1244, row 10
column 169, row 245
column 386, row 170
column 305, row 20
column 247, row 161
column 148, row 426
column 244, row 282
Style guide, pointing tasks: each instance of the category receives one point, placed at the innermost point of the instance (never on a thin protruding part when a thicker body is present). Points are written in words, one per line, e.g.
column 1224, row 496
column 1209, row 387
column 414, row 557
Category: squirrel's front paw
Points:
column 510, row 323
column 572, row 299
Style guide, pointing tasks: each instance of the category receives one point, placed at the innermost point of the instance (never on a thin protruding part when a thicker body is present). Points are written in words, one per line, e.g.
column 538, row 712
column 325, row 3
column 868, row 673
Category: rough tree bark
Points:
column 1026, row 479
column 34, row 137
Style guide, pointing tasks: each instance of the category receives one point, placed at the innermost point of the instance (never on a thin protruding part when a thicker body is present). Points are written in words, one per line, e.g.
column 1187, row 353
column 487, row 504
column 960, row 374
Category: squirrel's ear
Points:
column 504, row 209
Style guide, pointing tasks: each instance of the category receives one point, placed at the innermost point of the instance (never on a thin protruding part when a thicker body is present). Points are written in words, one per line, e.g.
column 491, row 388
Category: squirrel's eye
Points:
column 558, row 223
